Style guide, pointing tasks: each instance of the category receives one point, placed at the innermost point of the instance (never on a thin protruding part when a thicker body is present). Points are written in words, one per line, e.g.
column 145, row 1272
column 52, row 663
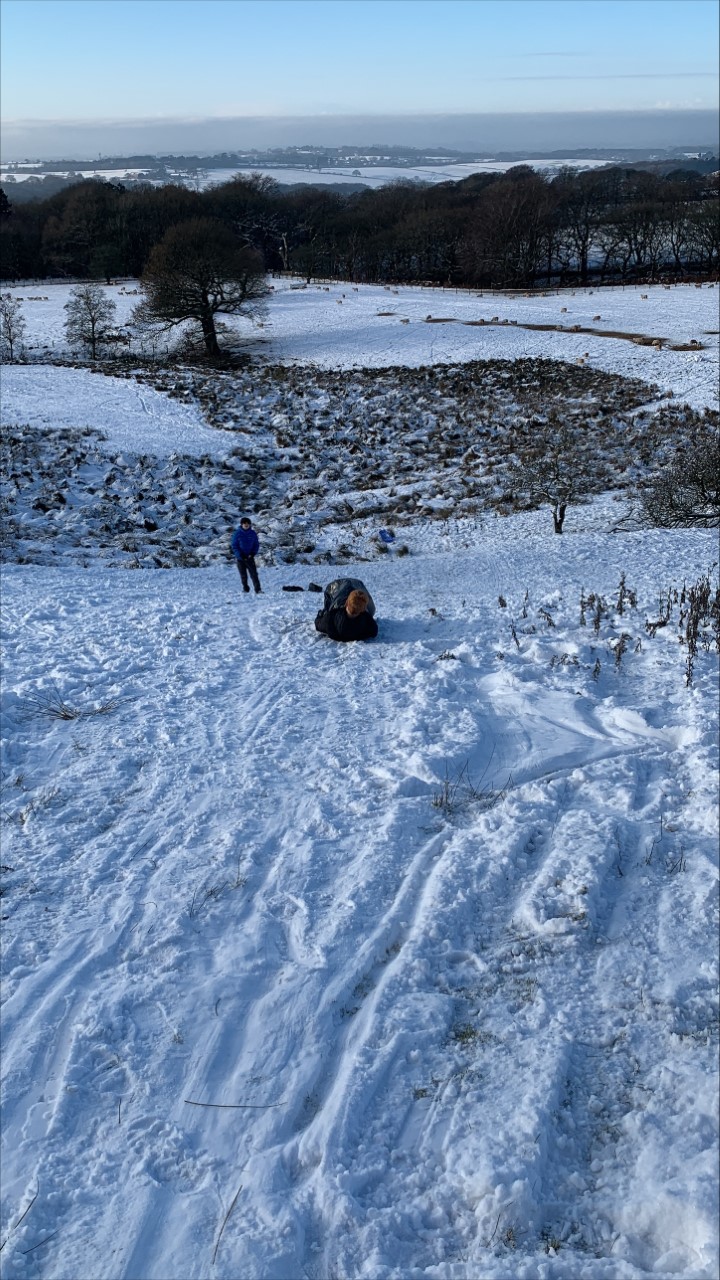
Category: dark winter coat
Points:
column 338, row 625
column 245, row 542
column 337, row 592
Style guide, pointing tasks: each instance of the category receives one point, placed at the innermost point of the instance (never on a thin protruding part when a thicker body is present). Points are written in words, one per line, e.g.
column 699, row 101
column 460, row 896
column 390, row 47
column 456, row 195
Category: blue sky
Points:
column 182, row 60
column 90, row 59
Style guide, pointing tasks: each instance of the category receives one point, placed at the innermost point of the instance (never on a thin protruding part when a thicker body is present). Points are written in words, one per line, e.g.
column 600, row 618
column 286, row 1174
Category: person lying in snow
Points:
column 245, row 546
column 347, row 612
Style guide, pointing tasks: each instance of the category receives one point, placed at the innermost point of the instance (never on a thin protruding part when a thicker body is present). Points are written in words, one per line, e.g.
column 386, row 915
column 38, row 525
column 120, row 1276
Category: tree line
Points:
column 519, row 229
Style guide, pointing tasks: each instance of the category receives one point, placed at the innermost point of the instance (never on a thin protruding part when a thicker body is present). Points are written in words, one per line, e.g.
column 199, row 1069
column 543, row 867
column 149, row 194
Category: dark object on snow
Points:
column 313, row 586
column 338, row 625
column 348, row 611
column 293, row 588
column 245, row 545
column 386, row 535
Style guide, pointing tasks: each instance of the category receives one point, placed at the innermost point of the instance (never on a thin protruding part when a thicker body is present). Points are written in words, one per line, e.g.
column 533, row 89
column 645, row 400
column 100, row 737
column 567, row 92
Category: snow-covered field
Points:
column 380, row 176
column 375, row 176
column 376, row 326
column 370, row 961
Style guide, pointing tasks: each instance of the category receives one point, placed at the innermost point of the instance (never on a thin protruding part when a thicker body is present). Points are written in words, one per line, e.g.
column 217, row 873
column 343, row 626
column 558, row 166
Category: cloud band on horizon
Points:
column 661, row 127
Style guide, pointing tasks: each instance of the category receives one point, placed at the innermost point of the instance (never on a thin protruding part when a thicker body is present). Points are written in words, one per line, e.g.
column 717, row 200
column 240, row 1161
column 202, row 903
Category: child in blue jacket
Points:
column 245, row 546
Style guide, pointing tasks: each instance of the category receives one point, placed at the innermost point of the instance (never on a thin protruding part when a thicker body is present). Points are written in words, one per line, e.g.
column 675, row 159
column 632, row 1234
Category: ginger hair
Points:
column 356, row 603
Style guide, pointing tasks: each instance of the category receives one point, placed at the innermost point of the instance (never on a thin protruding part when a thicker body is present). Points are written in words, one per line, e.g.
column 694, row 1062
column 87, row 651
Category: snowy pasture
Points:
column 375, row 326
column 370, row 961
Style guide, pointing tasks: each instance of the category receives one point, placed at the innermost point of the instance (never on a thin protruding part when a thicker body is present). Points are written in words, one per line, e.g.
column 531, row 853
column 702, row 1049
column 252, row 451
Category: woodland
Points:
column 521, row 229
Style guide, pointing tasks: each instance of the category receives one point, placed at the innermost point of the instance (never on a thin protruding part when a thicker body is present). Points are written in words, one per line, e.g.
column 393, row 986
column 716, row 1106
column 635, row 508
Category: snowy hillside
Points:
column 370, row 961
column 325, row 453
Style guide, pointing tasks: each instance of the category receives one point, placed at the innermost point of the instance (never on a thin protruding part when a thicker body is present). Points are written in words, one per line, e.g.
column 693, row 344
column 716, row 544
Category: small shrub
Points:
column 625, row 595
column 686, row 493
column 458, row 792
column 699, row 621
column 664, row 613
column 564, row 660
column 599, row 607
column 620, row 648
column 53, row 704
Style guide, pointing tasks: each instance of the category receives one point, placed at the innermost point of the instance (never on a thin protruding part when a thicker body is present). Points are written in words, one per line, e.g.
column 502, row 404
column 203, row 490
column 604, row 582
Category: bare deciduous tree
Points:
column 90, row 317
column 12, row 325
column 705, row 234
column 557, row 463
column 197, row 272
